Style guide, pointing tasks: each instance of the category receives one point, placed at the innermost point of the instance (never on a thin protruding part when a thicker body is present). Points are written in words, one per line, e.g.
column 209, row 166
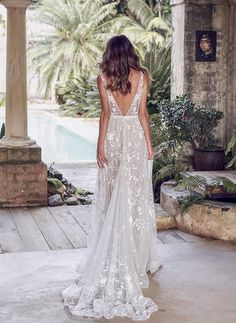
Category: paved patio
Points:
column 195, row 285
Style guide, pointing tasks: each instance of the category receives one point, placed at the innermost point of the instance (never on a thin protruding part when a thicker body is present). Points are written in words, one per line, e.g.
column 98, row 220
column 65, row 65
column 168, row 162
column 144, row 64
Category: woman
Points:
column 122, row 243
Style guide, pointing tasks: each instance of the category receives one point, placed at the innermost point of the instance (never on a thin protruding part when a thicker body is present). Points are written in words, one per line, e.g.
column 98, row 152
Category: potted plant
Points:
column 187, row 121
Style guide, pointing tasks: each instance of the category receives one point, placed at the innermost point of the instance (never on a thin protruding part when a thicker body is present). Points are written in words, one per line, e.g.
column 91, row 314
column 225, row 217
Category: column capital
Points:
column 16, row 3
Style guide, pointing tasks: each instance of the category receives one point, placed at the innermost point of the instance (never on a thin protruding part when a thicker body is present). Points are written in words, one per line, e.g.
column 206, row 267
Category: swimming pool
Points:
column 58, row 142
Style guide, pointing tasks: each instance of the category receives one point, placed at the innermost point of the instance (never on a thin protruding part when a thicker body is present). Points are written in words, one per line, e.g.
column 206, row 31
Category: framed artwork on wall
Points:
column 206, row 46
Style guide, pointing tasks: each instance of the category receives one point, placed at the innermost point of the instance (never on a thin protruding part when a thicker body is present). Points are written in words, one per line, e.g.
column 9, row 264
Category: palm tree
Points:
column 158, row 62
column 148, row 28
column 161, row 7
column 73, row 40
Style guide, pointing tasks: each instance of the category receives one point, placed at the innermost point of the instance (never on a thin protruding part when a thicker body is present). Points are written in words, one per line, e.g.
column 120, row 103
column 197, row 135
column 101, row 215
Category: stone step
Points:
column 169, row 197
column 163, row 219
column 208, row 190
column 210, row 219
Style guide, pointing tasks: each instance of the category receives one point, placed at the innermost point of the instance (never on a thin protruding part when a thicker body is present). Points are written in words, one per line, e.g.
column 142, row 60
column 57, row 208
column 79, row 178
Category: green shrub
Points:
column 186, row 121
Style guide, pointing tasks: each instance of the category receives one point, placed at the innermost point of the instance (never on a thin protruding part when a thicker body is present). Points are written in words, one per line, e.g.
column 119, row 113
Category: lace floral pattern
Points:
column 122, row 243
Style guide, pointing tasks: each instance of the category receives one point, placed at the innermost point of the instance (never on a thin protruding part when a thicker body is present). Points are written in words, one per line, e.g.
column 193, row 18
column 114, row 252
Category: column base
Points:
column 16, row 142
column 23, row 177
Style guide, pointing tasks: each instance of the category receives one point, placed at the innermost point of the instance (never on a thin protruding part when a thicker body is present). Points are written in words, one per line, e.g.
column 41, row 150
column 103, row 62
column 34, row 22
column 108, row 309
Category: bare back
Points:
column 125, row 103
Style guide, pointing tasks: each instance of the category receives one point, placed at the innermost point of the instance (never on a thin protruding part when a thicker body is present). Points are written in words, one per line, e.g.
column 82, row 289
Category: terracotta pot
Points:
column 209, row 159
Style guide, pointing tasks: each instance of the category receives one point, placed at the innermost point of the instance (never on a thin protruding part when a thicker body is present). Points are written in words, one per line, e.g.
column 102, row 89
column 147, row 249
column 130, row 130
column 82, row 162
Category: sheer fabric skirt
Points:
column 122, row 242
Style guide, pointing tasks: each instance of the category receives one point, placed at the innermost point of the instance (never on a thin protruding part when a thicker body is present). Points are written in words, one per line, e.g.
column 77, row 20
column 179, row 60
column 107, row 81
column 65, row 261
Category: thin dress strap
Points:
column 104, row 80
column 140, row 87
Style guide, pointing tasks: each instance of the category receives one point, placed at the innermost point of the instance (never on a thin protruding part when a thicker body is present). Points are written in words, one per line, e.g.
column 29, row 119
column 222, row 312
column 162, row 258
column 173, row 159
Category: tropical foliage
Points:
column 168, row 160
column 79, row 97
column 148, row 28
column 158, row 62
column 67, row 50
column 74, row 38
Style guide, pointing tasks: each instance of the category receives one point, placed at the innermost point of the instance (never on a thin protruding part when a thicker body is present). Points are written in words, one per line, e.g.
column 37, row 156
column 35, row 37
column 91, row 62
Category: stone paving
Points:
column 195, row 285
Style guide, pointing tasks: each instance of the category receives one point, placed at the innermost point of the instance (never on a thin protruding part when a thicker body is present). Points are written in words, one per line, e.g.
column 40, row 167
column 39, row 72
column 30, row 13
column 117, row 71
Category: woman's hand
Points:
column 101, row 158
column 150, row 151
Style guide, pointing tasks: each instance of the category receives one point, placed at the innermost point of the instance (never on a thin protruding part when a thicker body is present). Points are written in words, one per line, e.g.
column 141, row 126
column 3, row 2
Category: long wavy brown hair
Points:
column 118, row 58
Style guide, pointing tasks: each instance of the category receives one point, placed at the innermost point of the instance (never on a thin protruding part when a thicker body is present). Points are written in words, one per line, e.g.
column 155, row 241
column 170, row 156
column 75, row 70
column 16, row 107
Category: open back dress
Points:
column 122, row 238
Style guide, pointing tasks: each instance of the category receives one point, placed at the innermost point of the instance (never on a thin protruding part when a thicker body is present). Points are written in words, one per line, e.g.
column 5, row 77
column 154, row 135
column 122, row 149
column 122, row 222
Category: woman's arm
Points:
column 143, row 117
column 103, row 123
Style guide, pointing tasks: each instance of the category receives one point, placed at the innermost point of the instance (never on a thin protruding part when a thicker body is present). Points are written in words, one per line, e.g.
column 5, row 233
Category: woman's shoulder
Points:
column 100, row 77
column 137, row 73
column 101, row 81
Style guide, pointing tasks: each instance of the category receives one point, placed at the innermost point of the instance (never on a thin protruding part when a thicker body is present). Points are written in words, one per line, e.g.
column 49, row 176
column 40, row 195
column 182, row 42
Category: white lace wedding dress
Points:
column 122, row 242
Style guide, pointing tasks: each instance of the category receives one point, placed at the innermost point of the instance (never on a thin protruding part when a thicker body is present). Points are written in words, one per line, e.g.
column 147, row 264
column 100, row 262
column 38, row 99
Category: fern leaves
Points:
column 192, row 183
column 225, row 182
column 199, row 183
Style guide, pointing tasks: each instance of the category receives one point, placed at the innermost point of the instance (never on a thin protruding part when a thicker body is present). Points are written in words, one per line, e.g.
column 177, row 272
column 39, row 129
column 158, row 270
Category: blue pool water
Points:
column 58, row 143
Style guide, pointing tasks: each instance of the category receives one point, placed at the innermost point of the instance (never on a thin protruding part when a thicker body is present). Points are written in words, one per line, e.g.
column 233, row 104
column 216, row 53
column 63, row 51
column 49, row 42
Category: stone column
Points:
column 16, row 77
column 23, row 175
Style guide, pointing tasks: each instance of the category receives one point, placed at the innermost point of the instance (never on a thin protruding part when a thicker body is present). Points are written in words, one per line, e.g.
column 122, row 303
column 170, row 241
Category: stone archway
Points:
column 23, row 175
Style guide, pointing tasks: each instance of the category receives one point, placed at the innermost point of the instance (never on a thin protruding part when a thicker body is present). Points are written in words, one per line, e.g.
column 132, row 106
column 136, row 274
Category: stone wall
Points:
column 23, row 177
column 209, row 83
column 231, row 103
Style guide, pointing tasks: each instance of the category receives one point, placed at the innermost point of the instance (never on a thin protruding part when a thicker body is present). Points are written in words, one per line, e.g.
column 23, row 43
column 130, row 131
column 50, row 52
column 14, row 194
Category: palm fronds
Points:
column 158, row 62
column 147, row 28
column 72, row 38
